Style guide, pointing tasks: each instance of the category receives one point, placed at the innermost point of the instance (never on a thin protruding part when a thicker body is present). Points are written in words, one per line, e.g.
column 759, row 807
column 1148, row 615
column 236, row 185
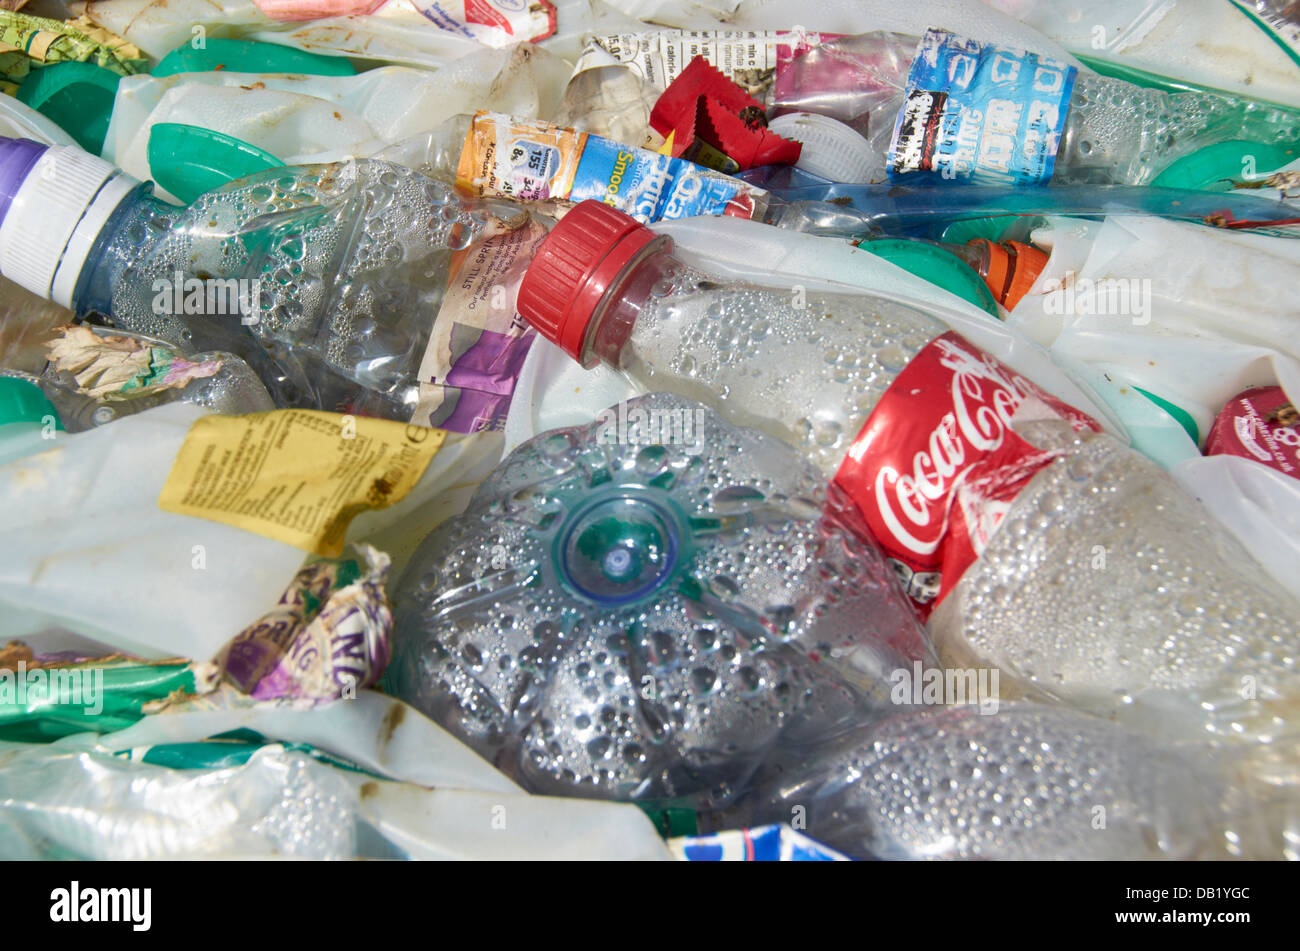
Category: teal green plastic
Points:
column 188, row 160
column 22, row 401
column 672, row 821
column 969, row 229
column 1153, row 430
column 250, row 56
column 1149, row 80
column 77, row 97
column 235, row 748
column 997, row 228
column 109, row 698
column 939, row 267
column 1215, row 167
column 1180, row 415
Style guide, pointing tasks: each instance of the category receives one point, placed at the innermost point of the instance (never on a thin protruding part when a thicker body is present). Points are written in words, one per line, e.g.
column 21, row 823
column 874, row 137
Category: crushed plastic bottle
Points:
column 1030, row 783
column 318, row 276
column 893, row 405
column 1084, row 129
column 643, row 607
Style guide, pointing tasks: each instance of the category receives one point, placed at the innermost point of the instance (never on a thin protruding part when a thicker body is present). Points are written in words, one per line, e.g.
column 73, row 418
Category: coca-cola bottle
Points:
column 1051, row 549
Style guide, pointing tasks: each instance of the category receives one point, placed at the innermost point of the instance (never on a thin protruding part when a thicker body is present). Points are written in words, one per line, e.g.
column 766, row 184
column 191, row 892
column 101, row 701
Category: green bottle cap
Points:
column 188, row 160
column 937, row 266
column 1215, row 167
column 250, row 56
column 78, row 97
column 22, row 401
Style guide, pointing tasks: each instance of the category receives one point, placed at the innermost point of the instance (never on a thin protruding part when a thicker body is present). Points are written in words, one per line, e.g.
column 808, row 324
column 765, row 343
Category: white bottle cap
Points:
column 55, row 217
column 831, row 149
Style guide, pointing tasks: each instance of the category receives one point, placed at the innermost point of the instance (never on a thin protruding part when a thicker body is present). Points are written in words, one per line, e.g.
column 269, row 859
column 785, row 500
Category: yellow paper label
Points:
column 298, row 476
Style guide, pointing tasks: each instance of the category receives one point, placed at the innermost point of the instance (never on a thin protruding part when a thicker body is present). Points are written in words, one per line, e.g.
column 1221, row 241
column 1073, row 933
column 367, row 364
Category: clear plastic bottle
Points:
column 645, row 607
column 324, row 278
column 1030, row 782
column 1114, row 133
column 1052, row 550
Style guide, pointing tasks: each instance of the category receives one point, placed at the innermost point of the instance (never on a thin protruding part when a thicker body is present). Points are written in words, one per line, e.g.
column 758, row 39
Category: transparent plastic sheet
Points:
column 610, row 101
column 649, row 615
column 84, row 525
column 1258, row 504
column 395, row 33
column 1111, row 296
column 1028, row 782
column 851, row 17
column 316, row 119
column 1243, row 46
column 89, row 526
column 27, row 325
column 444, row 800
column 282, row 804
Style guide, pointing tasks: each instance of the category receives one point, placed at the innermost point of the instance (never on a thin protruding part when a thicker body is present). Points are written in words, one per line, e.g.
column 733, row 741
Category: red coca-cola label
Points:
column 937, row 464
column 1260, row 424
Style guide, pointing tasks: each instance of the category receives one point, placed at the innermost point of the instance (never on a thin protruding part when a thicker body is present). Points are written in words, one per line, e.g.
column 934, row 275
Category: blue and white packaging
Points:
column 775, row 843
column 980, row 113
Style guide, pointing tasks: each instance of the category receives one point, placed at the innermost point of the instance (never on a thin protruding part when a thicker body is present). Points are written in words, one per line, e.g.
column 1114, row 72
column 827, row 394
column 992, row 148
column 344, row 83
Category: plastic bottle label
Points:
column 297, row 476
column 532, row 160
column 937, row 463
column 659, row 56
column 984, row 114
column 478, row 344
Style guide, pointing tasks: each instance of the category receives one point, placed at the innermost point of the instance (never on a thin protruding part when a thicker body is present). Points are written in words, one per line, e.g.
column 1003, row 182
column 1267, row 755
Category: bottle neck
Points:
column 615, row 316
column 93, row 291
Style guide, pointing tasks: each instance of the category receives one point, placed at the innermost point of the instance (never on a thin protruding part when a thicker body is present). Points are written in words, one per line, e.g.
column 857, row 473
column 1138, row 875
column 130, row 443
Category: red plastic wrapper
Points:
column 1260, row 424
column 713, row 122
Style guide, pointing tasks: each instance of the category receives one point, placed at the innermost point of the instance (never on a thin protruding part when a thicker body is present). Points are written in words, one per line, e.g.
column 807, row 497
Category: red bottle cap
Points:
column 1260, row 424
column 574, row 267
